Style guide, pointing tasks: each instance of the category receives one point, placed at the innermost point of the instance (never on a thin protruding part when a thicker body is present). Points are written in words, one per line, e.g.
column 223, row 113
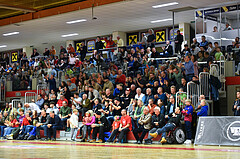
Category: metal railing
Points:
column 193, row 92
column 204, row 86
column 3, row 85
column 42, row 87
column 222, row 72
column 180, row 99
column 15, row 102
column 29, row 96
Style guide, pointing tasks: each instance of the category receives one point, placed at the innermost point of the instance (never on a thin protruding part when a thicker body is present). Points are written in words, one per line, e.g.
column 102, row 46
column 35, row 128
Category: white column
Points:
column 28, row 50
column 185, row 30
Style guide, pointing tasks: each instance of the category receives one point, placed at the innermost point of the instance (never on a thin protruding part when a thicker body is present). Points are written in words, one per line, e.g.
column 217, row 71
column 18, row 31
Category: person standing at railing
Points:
column 178, row 42
column 99, row 44
column 151, row 38
column 35, row 53
column 109, row 44
column 189, row 68
column 83, row 51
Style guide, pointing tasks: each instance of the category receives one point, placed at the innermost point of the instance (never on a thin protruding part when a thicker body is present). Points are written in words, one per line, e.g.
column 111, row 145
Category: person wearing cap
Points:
column 108, row 84
column 78, row 63
column 100, row 126
column 187, row 112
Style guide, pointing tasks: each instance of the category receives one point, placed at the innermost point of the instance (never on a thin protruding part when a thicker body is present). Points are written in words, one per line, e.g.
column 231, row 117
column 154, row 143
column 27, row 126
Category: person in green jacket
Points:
column 139, row 110
column 218, row 54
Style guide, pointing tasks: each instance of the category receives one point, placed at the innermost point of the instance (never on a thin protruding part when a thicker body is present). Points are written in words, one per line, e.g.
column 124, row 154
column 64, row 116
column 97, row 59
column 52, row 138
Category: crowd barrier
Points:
column 204, row 87
column 15, row 103
column 180, row 99
column 193, row 92
column 3, row 84
column 29, row 96
column 42, row 87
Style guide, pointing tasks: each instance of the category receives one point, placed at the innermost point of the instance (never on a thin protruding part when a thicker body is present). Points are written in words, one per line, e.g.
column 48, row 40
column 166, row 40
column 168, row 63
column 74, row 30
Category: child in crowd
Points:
column 115, row 126
column 74, row 124
column 88, row 120
column 204, row 108
column 187, row 112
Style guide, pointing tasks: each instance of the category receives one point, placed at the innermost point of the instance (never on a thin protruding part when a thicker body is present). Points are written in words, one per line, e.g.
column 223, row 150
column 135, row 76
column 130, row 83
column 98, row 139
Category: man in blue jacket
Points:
column 236, row 105
column 53, row 125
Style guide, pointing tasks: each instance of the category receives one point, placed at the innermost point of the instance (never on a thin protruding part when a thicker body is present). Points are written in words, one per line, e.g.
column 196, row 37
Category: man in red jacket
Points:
column 109, row 44
column 121, row 78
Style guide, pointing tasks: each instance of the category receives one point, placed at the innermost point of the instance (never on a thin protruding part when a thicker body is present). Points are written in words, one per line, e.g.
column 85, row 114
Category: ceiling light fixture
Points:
column 162, row 20
column 68, row 35
column 165, row 5
column 2, row 46
column 12, row 33
column 76, row 21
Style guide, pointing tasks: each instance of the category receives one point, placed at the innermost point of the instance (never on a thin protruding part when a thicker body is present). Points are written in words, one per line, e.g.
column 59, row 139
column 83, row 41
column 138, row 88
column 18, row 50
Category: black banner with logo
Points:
column 218, row 131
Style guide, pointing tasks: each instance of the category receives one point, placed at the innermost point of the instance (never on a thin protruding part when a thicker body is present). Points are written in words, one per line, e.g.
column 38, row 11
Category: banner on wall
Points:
column 78, row 46
column 14, row 56
column 160, row 36
column 91, row 45
column 224, row 130
column 132, row 39
column 172, row 37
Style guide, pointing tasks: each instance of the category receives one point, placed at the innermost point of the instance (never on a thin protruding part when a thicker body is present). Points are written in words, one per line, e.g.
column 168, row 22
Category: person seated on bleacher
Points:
column 160, row 95
column 218, row 54
column 158, row 121
column 236, row 105
column 186, row 50
column 60, row 101
column 204, row 109
column 198, row 106
column 168, row 49
column 100, row 126
column 124, row 128
column 144, row 125
column 151, row 106
column 53, row 125
column 42, row 124
column 170, row 107
column 39, row 101
column 31, row 107
column 64, row 114
column 173, row 122
column 204, row 43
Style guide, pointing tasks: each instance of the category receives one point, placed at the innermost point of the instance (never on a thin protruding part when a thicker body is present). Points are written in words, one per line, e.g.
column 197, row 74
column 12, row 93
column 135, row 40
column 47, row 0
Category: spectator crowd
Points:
column 125, row 92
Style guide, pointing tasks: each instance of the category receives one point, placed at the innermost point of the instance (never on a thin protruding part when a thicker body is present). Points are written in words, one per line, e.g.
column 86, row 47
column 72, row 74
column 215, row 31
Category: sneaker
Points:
column 100, row 141
column 10, row 137
column 139, row 142
column 154, row 135
column 53, row 139
column 148, row 141
column 68, row 129
column 163, row 140
column 73, row 140
column 92, row 141
column 187, row 142
column 79, row 136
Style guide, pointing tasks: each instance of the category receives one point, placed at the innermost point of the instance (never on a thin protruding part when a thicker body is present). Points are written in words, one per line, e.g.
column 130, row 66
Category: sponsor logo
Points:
column 233, row 131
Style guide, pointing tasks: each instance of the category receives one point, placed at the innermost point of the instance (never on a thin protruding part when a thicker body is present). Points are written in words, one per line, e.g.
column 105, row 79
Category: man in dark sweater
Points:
column 158, row 121
column 54, row 124
column 42, row 125
column 178, row 42
column 172, row 123
column 101, row 125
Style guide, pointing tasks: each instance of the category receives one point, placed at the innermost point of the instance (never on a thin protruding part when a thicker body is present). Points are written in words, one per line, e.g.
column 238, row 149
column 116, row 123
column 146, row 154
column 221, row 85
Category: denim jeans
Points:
column 8, row 130
column 163, row 130
column 52, row 130
column 74, row 133
column 28, row 128
column 2, row 129
column 188, row 130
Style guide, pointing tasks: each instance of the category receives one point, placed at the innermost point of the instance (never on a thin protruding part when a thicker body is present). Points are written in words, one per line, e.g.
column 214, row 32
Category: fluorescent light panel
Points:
column 165, row 5
column 2, row 46
column 76, row 21
column 162, row 20
column 68, row 35
column 12, row 33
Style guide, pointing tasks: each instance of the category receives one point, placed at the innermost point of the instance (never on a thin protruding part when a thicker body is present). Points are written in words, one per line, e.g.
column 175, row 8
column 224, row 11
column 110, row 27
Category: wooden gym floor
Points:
column 67, row 149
